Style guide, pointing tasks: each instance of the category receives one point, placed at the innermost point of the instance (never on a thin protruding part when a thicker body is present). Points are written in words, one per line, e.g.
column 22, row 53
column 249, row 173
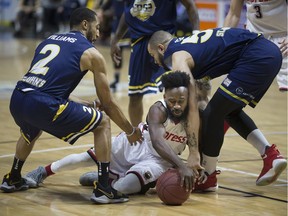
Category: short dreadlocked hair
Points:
column 175, row 79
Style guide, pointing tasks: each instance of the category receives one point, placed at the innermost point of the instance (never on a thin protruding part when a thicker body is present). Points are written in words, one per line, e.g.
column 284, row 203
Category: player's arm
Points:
column 192, row 13
column 203, row 92
column 183, row 61
column 233, row 17
column 94, row 61
column 115, row 50
column 155, row 119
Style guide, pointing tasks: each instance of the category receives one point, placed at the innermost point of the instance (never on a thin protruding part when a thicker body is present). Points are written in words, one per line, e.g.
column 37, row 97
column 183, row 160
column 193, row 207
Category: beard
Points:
column 177, row 118
column 89, row 36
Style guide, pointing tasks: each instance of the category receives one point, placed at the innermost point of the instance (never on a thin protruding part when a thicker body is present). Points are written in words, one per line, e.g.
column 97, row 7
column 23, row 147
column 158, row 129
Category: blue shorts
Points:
column 34, row 111
column 253, row 73
column 144, row 74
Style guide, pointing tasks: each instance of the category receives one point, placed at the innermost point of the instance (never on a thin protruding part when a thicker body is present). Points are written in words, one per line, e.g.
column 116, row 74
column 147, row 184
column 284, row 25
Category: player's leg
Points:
column 141, row 78
column 128, row 184
column 103, row 192
column 282, row 76
column 69, row 162
column 135, row 109
column 13, row 180
column 29, row 134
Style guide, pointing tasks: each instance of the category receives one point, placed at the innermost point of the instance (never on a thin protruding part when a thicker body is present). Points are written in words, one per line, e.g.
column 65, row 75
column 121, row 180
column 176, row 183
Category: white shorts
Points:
column 141, row 160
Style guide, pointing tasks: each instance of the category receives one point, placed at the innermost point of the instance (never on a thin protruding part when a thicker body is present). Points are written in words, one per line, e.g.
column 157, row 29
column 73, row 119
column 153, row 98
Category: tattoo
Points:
column 192, row 141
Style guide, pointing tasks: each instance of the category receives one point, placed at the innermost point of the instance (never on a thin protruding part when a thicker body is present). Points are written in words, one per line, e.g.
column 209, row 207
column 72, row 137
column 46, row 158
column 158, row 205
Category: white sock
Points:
column 209, row 163
column 257, row 139
column 71, row 162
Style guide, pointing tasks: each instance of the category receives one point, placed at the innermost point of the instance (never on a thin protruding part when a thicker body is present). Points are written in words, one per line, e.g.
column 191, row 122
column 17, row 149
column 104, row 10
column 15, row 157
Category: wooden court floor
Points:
column 62, row 195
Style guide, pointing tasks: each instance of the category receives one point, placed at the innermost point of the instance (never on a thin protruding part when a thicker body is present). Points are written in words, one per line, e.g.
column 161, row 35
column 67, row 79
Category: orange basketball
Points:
column 169, row 189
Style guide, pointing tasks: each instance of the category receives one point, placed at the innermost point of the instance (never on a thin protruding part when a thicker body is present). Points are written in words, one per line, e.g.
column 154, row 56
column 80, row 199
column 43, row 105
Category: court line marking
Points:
column 91, row 145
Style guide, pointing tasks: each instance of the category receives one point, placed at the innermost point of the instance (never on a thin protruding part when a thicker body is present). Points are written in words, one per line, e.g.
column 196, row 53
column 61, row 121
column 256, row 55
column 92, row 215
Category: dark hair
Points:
column 175, row 79
column 80, row 14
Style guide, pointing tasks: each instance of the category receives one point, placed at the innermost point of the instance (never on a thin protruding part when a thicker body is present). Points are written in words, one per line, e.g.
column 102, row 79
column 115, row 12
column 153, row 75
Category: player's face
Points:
column 176, row 100
column 157, row 55
column 93, row 30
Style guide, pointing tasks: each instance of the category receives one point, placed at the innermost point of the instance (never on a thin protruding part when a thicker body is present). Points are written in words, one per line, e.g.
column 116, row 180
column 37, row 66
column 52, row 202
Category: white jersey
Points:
column 142, row 159
column 267, row 16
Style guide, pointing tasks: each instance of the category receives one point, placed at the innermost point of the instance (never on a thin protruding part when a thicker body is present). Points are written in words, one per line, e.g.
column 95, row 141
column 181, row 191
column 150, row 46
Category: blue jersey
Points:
column 214, row 51
column 144, row 17
column 55, row 68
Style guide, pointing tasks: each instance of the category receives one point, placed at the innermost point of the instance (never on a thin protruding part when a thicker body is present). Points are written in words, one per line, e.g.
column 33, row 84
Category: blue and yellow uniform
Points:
column 40, row 99
column 143, row 19
column 239, row 53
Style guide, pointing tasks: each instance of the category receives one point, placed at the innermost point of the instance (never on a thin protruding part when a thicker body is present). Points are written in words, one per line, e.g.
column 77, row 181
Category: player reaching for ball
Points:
column 134, row 169
column 41, row 101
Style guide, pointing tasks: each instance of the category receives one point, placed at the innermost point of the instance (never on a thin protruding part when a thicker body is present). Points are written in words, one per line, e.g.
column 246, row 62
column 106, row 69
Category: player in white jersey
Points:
column 134, row 169
column 268, row 17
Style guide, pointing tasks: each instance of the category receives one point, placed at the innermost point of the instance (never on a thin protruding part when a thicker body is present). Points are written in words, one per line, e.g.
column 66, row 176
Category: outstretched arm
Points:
column 183, row 61
column 94, row 61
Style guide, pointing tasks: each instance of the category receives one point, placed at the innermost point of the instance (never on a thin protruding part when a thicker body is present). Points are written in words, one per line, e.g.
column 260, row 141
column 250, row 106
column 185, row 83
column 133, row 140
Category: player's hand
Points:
column 284, row 47
column 187, row 178
column 96, row 104
column 115, row 52
column 194, row 163
column 135, row 137
column 202, row 177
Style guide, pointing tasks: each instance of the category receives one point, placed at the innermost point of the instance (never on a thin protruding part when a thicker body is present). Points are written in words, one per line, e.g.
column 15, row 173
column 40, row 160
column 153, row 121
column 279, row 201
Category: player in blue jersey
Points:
column 142, row 19
column 250, row 62
column 41, row 102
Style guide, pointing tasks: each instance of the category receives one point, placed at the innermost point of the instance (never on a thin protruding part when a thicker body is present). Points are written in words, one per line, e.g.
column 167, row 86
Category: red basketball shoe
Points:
column 273, row 166
column 210, row 185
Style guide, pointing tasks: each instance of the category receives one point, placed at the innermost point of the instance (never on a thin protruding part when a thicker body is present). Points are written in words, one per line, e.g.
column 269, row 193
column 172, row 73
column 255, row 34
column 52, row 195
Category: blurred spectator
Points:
column 51, row 16
column 29, row 14
column 65, row 11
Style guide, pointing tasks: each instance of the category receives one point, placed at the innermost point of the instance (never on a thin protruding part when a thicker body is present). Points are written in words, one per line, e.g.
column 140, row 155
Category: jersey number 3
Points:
column 258, row 13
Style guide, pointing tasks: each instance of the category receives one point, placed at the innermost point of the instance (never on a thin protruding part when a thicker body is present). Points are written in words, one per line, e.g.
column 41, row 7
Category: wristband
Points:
column 131, row 133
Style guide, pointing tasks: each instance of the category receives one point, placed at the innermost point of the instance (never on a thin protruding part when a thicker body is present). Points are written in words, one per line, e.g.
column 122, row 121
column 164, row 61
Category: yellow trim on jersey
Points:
column 254, row 102
column 136, row 41
column 233, row 95
column 160, row 77
column 142, row 86
column 25, row 138
column 62, row 107
column 87, row 126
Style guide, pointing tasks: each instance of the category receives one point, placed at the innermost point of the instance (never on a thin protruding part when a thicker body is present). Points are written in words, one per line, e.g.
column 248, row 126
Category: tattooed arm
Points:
column 184, row 62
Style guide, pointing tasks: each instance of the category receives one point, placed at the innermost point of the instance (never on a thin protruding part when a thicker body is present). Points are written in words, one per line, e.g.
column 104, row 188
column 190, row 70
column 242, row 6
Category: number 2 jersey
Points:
column 214, row 51
column 55, row 68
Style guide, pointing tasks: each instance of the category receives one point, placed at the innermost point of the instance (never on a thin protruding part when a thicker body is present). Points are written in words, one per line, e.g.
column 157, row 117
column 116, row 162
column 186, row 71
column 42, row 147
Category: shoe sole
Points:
column 273, row 173
column 210, row 189
column 104, row 200
column 10, row 189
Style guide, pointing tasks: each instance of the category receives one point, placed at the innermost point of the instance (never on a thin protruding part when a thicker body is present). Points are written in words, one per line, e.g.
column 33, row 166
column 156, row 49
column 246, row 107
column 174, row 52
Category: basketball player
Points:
column 251, row 62
column 135, row 169
column 269, row 18
column 40, row 102
column 142, row 18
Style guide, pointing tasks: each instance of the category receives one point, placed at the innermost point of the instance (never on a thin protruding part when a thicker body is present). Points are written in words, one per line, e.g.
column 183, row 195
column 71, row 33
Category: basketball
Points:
column 169, row 189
